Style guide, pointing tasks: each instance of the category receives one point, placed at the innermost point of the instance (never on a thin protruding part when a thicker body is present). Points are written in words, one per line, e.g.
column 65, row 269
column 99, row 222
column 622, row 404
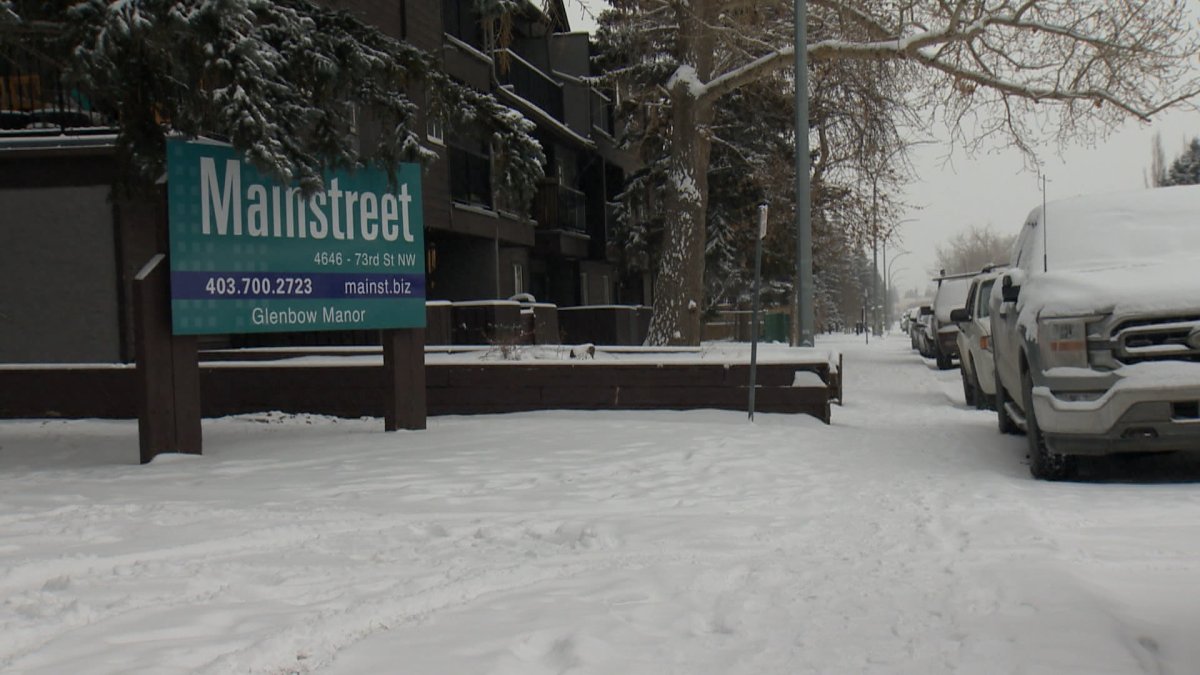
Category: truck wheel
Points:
column 944, row 362
column 1007, row 426
column 977, row 394
column 1044, row 463
column 968, row 390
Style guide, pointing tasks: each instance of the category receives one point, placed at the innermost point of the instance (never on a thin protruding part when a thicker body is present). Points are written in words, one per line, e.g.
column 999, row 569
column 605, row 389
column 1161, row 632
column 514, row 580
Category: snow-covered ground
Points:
column 907, row 537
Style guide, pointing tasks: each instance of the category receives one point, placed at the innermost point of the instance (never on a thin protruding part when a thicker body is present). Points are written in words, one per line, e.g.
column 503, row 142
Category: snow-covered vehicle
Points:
column 974, row 336
column 918, row 329
column 1096, row 328
column 951, row 294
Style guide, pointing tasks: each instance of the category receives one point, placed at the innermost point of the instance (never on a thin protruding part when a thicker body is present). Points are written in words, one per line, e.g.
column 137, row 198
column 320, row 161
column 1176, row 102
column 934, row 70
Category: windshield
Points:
column 951, row 295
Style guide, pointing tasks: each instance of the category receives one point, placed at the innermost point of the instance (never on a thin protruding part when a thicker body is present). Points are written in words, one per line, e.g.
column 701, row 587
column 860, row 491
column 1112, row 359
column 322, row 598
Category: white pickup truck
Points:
column 1096, row 328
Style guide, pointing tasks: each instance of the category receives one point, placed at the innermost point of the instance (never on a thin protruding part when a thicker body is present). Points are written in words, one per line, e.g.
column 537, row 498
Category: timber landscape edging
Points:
column 356, row 389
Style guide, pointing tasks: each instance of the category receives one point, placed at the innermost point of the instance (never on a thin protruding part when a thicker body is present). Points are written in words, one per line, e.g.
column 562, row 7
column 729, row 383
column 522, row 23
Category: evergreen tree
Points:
column 1185, row 170
column 1158, row 170
column 287, row 82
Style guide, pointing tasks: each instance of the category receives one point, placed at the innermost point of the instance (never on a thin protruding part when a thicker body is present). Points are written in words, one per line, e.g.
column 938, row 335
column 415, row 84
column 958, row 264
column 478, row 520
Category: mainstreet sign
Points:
column 249, row 255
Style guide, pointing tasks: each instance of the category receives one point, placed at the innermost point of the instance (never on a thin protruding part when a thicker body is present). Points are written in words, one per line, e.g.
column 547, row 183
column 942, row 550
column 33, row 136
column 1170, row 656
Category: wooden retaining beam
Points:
column 354, row 390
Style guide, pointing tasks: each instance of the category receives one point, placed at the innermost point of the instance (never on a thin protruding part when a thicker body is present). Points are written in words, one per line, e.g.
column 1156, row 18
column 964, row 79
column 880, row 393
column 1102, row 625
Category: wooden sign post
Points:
column 168, row 373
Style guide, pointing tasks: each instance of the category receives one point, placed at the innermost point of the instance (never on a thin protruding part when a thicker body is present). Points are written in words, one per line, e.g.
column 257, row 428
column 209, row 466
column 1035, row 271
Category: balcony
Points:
column 602, row 114
column 470, row 177
column 529, row 83
column 35, row 101
column 559, row 207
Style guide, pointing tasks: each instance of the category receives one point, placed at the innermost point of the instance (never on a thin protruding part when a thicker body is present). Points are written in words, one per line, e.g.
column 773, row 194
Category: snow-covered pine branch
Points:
column 296, row 86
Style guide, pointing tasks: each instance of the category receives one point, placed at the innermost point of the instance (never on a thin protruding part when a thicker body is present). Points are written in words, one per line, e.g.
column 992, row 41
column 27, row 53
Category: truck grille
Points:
column 1162, row 339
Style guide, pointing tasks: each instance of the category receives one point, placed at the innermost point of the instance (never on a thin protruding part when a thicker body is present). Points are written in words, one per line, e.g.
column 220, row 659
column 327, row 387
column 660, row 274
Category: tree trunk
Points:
column 679, row 286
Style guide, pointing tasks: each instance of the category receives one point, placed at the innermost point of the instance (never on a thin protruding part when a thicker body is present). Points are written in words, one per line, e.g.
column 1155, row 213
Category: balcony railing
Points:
column 470, row 177
column 34, row 99
column 530, row 83
column 561, row 207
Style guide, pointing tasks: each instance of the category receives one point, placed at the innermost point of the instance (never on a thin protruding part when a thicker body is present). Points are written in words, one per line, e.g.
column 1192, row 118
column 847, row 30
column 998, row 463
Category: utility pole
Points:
column 874, row 252
column 883, row 273
column 803, row 320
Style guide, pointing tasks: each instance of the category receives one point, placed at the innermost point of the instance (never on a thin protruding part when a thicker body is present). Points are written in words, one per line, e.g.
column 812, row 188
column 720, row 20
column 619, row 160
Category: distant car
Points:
column 951, row 294
column 1096, row 328
column 974, row 341
column 918, row 329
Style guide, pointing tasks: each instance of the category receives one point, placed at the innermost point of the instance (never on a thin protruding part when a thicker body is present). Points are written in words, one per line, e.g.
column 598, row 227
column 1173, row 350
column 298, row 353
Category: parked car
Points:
column 974, row 336
column 918, row 329
column 1096, row 328
column 951, row 294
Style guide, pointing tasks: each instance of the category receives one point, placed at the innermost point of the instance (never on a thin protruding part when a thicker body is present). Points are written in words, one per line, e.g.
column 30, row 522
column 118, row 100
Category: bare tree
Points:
column 1024, row 71
column 972, row 249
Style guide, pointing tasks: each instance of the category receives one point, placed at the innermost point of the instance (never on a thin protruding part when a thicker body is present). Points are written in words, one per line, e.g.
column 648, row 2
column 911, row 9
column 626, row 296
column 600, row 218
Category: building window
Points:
column 583, row 288
column 434, row 129
column 470, row 177
column 518, row 278
column 606, row 290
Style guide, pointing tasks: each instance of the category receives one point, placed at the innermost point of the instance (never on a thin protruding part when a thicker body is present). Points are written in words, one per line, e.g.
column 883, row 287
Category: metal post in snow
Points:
column 762, row 232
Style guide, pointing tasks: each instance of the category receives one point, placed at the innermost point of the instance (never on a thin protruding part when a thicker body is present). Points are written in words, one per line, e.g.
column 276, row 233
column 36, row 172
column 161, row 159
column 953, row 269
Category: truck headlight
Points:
column 1063, row 343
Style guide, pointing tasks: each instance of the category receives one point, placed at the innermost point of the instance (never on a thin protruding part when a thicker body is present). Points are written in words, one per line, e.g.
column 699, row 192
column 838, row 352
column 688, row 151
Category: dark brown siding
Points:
column 60, row 291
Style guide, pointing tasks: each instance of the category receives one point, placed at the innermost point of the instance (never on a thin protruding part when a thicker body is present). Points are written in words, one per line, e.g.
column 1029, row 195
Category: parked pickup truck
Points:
column 1096, row 328
column 974, row 341
column 951, row 294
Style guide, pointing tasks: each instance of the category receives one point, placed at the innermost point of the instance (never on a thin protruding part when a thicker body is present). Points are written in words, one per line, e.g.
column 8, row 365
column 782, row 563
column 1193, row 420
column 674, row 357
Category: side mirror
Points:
column 960, row 315
column 1008, row 290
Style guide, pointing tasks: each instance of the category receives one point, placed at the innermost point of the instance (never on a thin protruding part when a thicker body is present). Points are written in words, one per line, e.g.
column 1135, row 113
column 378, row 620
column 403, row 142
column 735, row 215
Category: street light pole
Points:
column 887, row 287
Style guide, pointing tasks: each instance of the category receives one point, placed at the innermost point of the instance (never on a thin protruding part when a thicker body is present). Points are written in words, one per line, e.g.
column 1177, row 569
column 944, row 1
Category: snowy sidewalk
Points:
column 905, row 538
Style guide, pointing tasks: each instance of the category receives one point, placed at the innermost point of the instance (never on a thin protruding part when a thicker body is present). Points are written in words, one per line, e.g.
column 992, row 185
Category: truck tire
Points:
column 1007, row 426
column 1044, row 463
column 968, row 388
column 944, row 362
column 981, row 401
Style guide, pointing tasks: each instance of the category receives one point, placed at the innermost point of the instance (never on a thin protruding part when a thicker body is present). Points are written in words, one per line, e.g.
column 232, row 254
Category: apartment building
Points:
column 72, row 303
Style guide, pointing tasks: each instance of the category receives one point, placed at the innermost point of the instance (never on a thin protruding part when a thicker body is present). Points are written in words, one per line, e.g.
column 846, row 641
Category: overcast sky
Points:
column 996, row 188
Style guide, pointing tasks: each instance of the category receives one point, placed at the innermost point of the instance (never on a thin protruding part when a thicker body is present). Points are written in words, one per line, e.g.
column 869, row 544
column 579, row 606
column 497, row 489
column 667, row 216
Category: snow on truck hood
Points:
column 1145, row 287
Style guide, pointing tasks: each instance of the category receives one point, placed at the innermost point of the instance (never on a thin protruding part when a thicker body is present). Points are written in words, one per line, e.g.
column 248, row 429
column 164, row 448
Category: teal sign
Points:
column 249, row 255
